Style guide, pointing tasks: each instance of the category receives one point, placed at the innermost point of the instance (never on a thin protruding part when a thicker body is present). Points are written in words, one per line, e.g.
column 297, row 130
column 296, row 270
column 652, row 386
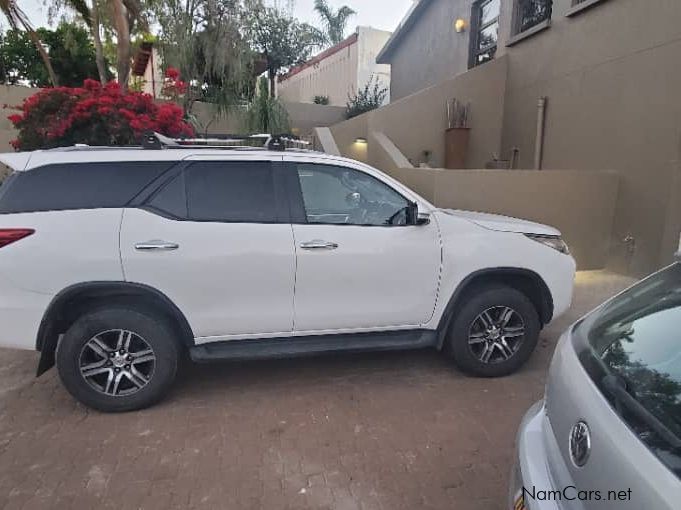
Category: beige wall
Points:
column 612, row 83
column 12, row 96
column 334, row 77
column 341, row 73
column 546, row 197
column 417, row 123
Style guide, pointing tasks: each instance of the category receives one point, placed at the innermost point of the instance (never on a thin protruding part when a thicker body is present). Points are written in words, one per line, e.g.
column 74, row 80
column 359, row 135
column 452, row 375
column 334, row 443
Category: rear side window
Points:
column 631, row 349
column 78, row 186
column 239, row 191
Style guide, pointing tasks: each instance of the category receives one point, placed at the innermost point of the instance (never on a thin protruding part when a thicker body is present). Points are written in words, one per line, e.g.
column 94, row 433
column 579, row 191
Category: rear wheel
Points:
column 118, row 359
column 494, row 333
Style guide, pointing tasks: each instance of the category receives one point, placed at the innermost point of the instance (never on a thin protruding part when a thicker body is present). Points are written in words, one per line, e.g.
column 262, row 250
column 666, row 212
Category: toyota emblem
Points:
column 580, row 444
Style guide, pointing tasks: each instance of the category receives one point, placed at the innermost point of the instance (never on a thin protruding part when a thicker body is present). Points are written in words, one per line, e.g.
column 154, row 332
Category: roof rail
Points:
column 157, row 141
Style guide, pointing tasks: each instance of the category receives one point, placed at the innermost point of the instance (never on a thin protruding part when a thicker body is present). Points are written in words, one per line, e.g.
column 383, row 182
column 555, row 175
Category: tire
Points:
column 98, row 374
column 470, row 341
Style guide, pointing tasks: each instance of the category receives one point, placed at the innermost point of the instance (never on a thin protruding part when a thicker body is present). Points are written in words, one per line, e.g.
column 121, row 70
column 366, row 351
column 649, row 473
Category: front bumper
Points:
column 531, row 473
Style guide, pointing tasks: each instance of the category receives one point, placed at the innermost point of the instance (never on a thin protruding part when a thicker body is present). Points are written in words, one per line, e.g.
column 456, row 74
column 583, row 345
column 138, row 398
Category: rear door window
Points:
column 231, row 191
column 78, row 186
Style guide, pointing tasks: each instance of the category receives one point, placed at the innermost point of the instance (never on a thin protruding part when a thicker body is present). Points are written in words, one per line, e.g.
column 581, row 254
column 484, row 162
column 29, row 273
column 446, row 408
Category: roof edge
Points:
column 407, row 22
column 17, row 161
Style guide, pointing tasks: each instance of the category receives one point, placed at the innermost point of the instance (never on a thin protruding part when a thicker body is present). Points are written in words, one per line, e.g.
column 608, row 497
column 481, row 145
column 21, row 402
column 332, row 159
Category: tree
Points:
column 335, row 22
column 282, row 39
column 71, row 54
column 204, row 40
column 95, row 115
column 17, row 18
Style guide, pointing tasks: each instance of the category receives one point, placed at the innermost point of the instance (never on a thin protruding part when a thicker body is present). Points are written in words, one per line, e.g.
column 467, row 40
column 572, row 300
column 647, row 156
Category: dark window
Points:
column 631, row 349
column 485, row 31
column 171, row 199
column 78, row 186
column 344, row 196
column 530, row 13
column 231, row 191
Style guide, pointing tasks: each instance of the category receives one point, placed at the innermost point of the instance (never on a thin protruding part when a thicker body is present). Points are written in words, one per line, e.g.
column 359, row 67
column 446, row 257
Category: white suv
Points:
column 116, row 262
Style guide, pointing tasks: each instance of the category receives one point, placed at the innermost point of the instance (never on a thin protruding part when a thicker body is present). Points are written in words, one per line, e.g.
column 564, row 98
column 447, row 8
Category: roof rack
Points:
column 157, row 141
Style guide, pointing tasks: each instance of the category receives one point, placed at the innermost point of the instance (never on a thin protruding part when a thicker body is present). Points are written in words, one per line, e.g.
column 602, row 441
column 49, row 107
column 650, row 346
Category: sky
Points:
column 382, row 14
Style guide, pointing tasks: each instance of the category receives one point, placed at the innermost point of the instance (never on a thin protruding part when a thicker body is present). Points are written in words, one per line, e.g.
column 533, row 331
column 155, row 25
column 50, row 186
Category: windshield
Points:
column 634, row 340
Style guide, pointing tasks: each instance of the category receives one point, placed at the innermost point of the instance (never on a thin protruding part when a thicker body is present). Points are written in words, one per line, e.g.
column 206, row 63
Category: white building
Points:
column 338, row 71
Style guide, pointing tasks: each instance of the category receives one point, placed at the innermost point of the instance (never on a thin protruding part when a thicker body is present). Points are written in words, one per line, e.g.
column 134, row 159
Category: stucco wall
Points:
column 334, row 77
column 546, row 197
column 612, row 83
column 11, row 96
column 417, row 123
column 431, row 51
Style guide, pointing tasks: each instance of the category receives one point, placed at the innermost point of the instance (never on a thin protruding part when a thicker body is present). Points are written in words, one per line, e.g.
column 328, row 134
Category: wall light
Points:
column 460, row 25
column 360, row 139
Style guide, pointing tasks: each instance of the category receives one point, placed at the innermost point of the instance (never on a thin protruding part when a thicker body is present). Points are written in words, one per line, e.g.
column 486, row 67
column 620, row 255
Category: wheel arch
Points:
column 73, row 301
column 524, row 280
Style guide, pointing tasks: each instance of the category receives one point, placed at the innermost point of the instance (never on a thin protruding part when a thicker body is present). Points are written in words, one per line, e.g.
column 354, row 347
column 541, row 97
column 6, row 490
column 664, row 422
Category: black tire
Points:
column 468, row 326
column 149, row 332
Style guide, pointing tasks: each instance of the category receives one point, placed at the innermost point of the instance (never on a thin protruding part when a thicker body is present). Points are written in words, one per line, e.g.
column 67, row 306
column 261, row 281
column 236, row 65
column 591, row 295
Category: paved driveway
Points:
column 380, row 431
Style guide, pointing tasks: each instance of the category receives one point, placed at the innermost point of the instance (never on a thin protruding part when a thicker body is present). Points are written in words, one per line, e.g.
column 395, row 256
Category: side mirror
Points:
column 416, row 218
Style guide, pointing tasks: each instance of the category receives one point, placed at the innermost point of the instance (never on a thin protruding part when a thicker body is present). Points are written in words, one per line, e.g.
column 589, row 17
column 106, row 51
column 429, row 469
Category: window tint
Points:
column 78, row 186
column 171, row 199
column 231, row 191
column 631, row 350
column 341, row 195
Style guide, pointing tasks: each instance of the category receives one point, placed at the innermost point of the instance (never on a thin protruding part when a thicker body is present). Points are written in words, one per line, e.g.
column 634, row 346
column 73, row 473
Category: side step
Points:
column 290, row 347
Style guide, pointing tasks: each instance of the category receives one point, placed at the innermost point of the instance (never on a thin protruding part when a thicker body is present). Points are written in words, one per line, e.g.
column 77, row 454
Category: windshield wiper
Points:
column 617, row 387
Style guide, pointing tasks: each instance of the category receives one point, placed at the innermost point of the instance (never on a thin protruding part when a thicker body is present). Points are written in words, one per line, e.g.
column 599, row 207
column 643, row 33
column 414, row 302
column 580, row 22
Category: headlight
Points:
column 554, row 242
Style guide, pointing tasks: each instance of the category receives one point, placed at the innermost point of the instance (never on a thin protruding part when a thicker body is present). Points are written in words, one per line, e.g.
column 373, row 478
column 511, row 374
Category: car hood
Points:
column 503, row 223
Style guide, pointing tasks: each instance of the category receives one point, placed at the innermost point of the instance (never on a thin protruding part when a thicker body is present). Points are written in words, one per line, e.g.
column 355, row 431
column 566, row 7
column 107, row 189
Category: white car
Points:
column 116, row 262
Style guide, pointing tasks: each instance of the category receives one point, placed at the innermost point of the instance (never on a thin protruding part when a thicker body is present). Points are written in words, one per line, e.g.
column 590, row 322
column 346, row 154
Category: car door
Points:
column 216, row 239
column 360, row 265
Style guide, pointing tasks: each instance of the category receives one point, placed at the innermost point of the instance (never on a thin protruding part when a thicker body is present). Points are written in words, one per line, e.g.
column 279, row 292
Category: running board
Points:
column 291, row 347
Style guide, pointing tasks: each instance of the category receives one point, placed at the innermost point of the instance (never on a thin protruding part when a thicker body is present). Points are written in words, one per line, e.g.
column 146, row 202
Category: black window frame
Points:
column 297, row 202
column 517, row 28
column 476, row 28
column 279, row 183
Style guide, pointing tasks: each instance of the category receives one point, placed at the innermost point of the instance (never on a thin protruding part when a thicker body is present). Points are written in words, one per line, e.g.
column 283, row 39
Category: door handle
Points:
column 318, row 244
column 156, row 246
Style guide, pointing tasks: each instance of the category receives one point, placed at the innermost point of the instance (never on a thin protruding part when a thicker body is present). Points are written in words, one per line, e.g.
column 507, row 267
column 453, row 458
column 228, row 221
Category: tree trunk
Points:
column 99, row 50
column 43, row 54
column 273, row 86
column 120, row 22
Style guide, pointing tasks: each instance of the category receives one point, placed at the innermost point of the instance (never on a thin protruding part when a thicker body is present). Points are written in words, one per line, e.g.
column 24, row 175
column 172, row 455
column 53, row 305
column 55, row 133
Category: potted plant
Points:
column 457, row 135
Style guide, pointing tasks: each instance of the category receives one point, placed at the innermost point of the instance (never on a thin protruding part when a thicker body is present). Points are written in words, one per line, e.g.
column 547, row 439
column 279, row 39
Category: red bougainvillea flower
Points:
column 94, row 115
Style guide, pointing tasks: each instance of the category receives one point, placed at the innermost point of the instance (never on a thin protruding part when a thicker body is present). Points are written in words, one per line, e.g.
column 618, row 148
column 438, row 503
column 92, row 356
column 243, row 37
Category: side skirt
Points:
column 291, row 347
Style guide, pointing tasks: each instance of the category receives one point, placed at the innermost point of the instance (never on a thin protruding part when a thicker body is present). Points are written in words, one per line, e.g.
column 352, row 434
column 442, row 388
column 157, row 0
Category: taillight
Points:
column 10, row 235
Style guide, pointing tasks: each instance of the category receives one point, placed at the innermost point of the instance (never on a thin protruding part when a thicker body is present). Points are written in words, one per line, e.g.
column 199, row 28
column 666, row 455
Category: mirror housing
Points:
column 416, row 218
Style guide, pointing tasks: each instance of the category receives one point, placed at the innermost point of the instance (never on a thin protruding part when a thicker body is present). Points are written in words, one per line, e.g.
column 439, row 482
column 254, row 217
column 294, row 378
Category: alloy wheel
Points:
column 496, row 334
column 117, row 362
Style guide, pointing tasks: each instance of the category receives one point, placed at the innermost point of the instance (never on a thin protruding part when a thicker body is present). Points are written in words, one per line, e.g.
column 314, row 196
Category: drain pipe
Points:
column 541, row 125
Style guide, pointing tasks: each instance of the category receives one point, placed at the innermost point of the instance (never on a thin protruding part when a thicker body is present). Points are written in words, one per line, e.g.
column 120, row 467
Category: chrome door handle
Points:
column 318, row 244
column 156, row 246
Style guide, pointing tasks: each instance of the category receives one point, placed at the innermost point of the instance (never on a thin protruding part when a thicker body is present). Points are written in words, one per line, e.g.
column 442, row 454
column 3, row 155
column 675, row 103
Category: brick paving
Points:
column 351, row 432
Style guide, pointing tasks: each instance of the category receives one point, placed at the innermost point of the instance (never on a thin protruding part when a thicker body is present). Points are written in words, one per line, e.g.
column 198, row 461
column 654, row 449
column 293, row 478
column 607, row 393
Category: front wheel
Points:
column 494, row 333
column 118, row 359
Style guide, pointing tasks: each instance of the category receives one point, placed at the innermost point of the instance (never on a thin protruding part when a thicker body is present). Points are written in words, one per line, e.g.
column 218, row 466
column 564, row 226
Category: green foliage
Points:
column 280, row 38
column 370, row 97
column 204, row 40
column 266, row 114
column 321, row 100
column 335, row 22
column 71, row 52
